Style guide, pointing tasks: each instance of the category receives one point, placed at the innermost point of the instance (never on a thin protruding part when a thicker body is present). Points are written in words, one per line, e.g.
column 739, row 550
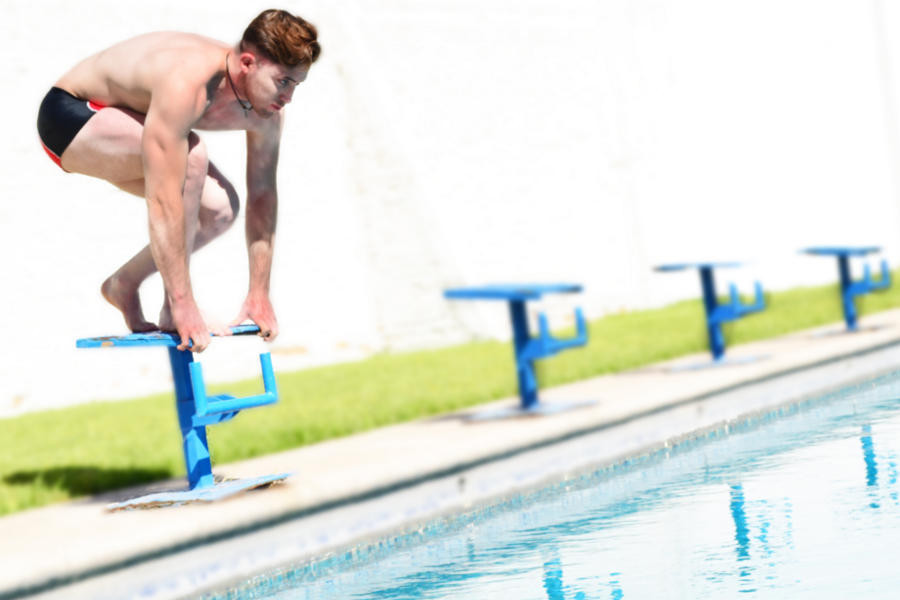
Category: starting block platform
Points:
column 196, row 411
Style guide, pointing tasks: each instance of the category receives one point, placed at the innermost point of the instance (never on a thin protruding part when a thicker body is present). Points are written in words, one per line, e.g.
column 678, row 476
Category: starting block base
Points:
column 219, row 491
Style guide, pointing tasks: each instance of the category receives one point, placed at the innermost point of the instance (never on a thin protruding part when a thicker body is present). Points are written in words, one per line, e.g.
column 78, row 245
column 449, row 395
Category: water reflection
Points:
column 868, row 448
column 553, row 581
column 718, row 520
column 615, row 591
column 553, row 584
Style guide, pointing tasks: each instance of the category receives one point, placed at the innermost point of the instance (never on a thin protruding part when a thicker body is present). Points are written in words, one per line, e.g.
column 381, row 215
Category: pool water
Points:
column 799, row 503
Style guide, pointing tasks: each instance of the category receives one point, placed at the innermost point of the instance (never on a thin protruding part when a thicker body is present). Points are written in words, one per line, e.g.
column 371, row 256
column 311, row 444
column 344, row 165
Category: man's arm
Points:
column 165, row 152
column 261, row 216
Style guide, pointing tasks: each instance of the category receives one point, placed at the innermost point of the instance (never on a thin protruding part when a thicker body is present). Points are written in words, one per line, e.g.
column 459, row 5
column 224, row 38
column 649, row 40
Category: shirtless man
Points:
column 127, row 115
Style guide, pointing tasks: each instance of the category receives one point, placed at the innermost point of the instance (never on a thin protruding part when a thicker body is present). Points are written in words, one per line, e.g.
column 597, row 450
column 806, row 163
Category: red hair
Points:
column 283, row 38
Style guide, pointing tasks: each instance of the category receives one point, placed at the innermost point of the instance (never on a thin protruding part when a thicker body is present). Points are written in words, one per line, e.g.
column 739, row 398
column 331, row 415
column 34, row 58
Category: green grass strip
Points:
column 62, row 454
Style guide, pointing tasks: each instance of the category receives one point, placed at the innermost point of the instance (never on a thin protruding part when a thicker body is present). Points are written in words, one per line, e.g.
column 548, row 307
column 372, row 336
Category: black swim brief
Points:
column 60, row 118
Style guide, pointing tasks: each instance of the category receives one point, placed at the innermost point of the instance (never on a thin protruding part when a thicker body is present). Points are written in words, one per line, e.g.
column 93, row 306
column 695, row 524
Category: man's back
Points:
column 125, row 74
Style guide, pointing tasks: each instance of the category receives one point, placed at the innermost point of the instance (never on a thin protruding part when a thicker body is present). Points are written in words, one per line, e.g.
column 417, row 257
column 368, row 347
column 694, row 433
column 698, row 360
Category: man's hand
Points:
column 258, row 309
column 190, row 326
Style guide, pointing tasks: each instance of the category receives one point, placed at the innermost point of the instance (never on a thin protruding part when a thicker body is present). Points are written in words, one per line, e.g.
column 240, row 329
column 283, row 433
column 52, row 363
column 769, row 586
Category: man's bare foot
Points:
column 216, row 327
column 166, row 322
column 128, row 301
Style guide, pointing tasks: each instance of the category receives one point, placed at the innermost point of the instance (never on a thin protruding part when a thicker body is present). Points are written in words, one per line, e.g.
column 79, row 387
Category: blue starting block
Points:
column 526, row 348
column 716, row 313
column 196, row 410
column 851, row 289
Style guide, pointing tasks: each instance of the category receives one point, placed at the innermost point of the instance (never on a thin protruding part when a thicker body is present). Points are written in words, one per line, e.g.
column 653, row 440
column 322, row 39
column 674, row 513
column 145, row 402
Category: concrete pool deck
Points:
column 358, row 488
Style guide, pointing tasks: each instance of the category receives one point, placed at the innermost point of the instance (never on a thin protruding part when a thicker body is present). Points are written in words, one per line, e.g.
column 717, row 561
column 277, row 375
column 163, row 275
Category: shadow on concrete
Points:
column 82, row 481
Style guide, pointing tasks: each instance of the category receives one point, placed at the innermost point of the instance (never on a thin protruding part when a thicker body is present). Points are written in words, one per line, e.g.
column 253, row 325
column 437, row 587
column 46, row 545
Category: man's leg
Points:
column 218, row 209
column 109, row 147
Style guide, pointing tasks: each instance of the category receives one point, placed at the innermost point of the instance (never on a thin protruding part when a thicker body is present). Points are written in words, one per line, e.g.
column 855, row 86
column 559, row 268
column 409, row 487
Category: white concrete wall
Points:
column 460, row 142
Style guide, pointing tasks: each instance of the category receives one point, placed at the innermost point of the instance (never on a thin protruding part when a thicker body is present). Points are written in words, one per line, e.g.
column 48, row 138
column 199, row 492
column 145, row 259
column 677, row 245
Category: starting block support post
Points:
column 196, row 410
column 193, row 438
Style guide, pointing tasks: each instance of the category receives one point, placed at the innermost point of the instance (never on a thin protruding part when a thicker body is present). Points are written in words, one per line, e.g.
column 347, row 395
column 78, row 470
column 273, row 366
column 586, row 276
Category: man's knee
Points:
column 220, row 205
column 232, row 206
column 198, row 159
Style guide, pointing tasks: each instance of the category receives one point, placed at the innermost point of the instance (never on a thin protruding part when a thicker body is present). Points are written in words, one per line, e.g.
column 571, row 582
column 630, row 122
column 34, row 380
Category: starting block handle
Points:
column 207, row 406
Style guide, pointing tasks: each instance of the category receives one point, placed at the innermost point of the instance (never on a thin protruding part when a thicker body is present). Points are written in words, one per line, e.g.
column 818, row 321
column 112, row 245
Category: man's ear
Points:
column 248, row 61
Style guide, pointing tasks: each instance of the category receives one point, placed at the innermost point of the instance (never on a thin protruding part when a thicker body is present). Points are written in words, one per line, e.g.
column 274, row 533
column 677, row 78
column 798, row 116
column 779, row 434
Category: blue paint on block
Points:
column 151, row 338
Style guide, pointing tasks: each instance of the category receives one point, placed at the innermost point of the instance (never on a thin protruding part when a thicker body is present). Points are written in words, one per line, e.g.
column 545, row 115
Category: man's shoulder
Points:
column 184, row 62
column 155, row 43
column 180, row 52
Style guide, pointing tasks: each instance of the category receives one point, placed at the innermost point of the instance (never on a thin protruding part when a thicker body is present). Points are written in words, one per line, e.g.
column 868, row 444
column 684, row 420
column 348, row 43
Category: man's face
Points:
column 270, row 86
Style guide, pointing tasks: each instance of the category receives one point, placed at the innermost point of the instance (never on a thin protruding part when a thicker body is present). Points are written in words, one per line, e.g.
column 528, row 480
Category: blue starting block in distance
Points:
column 527, row 349
column 851, row 289
column 716, row 313
column 196, row 410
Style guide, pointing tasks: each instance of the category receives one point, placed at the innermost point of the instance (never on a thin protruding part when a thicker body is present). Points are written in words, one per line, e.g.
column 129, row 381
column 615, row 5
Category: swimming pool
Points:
column 795, row 503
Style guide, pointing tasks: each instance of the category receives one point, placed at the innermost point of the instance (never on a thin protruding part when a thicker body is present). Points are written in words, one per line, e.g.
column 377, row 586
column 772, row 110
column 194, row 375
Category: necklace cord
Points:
column 245, row 104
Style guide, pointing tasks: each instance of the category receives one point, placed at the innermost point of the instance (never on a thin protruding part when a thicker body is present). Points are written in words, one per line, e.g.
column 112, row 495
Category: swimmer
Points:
column 128, row 114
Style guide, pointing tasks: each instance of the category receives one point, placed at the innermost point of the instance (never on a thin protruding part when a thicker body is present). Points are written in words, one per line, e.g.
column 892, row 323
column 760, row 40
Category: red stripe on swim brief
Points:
column 95, row 106
column 53, row 156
